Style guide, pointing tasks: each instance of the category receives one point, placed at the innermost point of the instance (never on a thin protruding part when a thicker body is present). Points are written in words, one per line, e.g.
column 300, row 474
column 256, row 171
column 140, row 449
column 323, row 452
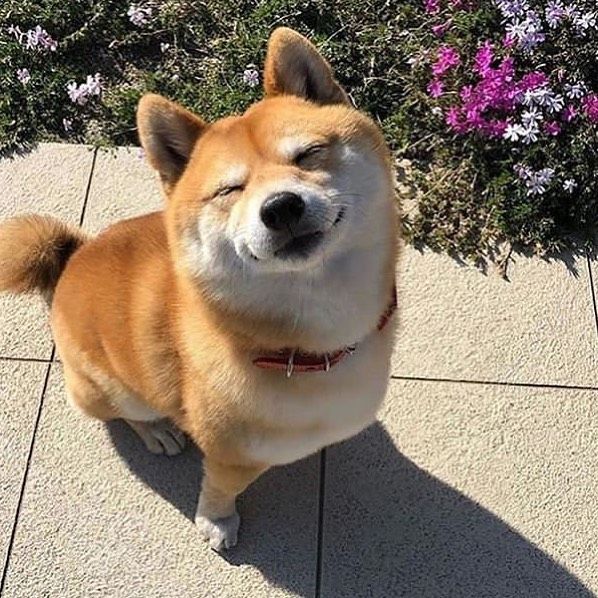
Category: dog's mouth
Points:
column 303, row 245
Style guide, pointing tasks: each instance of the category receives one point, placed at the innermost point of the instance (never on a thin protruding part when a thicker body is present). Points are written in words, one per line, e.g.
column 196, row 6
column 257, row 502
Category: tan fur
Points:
column 34, row 251
column 143, row 329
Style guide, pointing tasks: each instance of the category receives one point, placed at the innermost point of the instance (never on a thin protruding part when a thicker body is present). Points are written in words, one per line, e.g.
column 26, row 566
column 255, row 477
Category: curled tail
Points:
column 34, row 251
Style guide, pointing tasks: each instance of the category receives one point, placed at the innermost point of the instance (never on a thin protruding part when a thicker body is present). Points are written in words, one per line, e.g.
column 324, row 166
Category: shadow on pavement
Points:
column 389, row 529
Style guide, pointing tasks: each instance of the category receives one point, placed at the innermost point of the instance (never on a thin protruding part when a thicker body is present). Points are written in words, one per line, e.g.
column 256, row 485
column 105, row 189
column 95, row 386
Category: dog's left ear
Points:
column 295, row 67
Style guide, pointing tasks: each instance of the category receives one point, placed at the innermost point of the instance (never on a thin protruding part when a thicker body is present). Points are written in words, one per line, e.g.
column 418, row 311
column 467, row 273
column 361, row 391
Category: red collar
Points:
column 295, row 361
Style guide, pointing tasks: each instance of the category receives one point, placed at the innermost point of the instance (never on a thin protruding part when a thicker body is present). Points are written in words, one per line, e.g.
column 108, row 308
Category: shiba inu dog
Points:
column 253, row 315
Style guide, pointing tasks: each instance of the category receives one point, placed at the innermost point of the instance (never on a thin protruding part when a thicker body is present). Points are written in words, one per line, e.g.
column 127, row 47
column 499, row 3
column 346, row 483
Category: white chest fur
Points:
column 311, row 410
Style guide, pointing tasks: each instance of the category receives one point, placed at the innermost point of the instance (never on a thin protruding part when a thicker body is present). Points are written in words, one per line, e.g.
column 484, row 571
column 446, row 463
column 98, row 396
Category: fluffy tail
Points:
column 33, row 253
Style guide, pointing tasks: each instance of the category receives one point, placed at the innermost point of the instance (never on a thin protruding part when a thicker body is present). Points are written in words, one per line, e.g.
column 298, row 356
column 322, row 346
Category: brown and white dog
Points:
column 255, row 312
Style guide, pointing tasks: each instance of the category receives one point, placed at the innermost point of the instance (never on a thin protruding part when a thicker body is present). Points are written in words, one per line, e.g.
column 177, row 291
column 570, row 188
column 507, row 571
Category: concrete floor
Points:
column 479, row 480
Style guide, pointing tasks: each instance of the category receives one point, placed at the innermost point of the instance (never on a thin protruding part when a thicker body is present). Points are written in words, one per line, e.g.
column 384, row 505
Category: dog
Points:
column 255, row 314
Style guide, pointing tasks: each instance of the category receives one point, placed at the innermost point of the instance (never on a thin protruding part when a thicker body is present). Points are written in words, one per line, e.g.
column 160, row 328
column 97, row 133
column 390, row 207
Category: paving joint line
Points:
column 40, row 409
column 13, row 532
column 320, row 536
column 592, row 289
column 496, row 383
column 24, row 359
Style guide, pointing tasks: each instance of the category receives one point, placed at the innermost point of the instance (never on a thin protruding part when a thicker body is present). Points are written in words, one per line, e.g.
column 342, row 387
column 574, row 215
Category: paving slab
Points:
column 21, row 386
column 51, row 180
column 101, row 517
column 123, row 186
column 458, row 323
column 466, row 490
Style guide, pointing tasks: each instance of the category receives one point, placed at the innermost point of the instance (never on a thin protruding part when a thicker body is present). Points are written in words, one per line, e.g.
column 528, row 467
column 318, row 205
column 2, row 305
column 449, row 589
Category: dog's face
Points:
column 296, row 180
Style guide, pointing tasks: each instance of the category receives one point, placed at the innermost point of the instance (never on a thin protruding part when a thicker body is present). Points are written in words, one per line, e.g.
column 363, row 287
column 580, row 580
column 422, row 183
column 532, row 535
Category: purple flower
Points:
column 40, row 38
column 139, row 15
column 23, row 76
column 590, row 107
column 432, row 6
column 569, row 113
column 435, row 88
column 446, row 59
column 440, row 29
column 555, row 13
column 250, row 76
column 16, row 31
column 483, row 59
column 80, row 94
column 552, row 128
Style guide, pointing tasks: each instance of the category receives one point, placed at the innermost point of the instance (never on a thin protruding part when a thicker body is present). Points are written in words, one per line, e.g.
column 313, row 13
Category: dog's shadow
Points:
column 389, row 528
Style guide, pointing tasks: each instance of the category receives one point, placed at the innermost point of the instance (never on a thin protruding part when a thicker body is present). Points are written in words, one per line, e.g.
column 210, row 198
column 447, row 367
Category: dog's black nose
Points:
column 282, row 210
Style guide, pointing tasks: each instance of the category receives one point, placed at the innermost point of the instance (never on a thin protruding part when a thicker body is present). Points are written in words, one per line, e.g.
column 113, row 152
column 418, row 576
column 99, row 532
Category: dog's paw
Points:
column 160, row 437
column 219, row 533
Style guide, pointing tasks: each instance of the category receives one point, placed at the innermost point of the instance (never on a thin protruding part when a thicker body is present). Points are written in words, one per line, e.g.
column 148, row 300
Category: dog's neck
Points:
column 333, row 306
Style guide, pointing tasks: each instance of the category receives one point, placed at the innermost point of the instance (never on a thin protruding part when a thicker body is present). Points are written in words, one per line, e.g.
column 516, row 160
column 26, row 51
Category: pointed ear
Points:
column 168, row 134
column 295, row 67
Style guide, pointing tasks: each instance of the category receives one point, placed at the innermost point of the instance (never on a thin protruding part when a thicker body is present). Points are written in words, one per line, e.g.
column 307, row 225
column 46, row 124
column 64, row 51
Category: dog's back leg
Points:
column 108, row 401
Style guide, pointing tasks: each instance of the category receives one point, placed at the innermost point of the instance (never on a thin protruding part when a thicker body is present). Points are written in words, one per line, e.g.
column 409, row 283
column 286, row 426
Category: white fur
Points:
column 289, row 147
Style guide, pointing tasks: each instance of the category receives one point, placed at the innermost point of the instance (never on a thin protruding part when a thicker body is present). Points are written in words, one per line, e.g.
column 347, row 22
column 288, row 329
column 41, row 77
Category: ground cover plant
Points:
column 492, row 103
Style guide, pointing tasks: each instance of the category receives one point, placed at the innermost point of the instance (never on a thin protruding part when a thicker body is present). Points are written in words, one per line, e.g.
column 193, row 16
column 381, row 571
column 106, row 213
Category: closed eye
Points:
column 224, row 191
column 313, row 151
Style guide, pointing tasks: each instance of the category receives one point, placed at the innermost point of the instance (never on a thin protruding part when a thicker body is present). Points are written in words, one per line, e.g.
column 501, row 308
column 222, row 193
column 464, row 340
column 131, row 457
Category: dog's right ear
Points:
column 168, row 133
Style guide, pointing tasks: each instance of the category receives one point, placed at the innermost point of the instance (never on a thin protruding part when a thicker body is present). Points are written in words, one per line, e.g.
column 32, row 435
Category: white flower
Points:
column 93, row 85
column 530, row 133
column 24, row 76
column 569, row 185
column 585, row 21
column 531, row 117
column 139, row 15
column 513, row 132
column 67, row 124
column 575, row 91
column 437, row 111
column 555, row 103
column 250, row 76
column 164, row 47
column 537, row 181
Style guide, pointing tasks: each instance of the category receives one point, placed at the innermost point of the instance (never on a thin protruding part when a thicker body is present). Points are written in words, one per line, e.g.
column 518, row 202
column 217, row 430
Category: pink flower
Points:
column 532, row 81
column 432, row 6
column 446, row 59
column 590, row 107
column 483, row 59
column 440, row 30
column 452, row 116
column 552, row 128
column 435, row 88
column 569, row 113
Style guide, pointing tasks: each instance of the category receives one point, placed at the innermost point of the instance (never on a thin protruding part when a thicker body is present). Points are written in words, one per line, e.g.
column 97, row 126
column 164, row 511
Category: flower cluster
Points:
column 501, row 99
column 139, row 15
column 80, row 94
column 37, row 38
column 251, row 76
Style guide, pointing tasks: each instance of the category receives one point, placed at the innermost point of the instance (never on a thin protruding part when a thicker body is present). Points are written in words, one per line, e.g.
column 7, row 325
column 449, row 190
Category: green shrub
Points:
column 204, row 55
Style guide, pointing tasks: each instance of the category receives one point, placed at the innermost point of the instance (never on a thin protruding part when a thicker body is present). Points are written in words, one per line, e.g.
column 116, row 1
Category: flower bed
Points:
column 493, row 102
column 506, row 141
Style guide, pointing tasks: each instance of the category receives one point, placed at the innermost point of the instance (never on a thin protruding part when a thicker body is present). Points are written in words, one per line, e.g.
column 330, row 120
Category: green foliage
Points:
column 196, row 51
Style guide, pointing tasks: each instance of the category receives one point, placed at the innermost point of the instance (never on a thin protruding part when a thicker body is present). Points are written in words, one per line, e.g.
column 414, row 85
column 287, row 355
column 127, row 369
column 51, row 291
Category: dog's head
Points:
column 297, row 179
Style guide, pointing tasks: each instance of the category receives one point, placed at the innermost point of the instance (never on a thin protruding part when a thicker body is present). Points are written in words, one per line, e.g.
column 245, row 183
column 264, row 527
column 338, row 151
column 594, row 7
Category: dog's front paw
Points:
column 219, row 533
